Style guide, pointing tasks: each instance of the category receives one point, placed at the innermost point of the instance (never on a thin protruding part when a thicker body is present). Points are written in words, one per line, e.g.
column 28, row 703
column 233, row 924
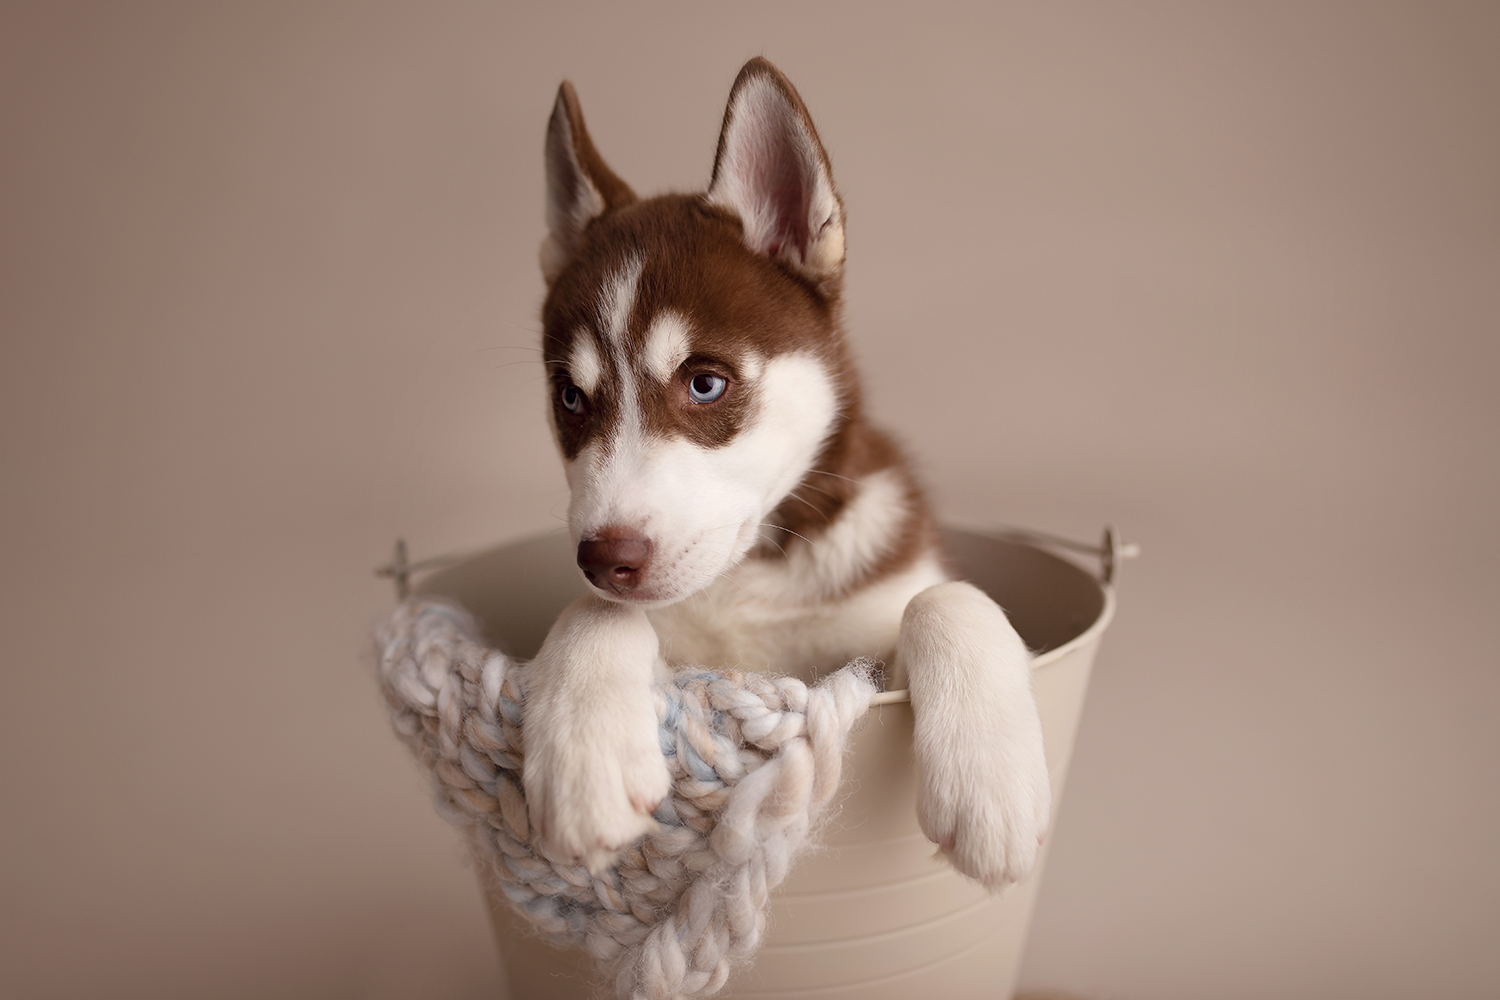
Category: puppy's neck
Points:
column 858, row 517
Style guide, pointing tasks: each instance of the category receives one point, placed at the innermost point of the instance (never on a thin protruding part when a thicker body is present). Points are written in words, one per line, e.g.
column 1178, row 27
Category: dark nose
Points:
column 614, row 561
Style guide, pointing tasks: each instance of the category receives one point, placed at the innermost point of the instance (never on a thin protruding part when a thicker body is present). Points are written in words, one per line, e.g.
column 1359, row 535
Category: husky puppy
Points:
column 731, row 505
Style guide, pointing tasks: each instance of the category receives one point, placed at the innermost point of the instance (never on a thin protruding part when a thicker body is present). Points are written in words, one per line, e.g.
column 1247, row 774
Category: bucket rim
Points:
column 1039, row 542
column 401, row 569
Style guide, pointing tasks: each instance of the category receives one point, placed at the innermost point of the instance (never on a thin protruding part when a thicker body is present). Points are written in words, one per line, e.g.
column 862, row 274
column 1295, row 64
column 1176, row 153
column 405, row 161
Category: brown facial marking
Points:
column 735, row 304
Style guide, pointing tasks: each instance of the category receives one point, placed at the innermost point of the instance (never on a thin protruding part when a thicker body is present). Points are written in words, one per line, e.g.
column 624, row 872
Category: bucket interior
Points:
column 518, row 589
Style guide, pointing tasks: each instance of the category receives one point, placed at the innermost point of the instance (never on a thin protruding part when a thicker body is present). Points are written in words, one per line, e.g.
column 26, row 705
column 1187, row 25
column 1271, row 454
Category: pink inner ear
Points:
column 786, row 193
column 777, row 179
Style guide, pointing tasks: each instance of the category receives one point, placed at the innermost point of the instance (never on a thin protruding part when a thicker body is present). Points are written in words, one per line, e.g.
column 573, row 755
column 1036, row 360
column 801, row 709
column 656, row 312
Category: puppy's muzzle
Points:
column 614, row 561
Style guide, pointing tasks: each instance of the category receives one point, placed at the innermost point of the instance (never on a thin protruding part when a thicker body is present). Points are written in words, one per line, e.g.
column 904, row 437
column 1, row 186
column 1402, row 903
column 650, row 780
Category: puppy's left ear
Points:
column 773, row 173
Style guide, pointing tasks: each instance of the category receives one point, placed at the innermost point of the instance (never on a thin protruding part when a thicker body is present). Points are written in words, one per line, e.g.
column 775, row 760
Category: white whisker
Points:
column 793, row 495
column 789, row 531
column 835, row 475
column 805, row 485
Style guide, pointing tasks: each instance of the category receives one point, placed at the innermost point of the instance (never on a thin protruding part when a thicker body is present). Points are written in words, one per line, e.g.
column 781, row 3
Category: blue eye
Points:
column 706, row 388
column 572, row 399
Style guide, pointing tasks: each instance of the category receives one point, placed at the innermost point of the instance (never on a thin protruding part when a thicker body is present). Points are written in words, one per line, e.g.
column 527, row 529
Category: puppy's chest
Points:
column 757, row 617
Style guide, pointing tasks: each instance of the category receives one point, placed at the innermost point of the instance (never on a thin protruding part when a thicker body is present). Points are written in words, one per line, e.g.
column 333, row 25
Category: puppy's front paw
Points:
column 985, row 800
column 985, row 797
column 594, row 771
column 592, row 788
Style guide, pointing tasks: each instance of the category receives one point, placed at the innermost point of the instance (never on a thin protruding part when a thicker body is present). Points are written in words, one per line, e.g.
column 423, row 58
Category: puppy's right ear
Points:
column 772, row 171
column 580, row 186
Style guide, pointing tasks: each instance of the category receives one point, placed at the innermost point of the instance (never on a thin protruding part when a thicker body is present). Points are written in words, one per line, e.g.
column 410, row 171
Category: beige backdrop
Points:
column 1228, row 277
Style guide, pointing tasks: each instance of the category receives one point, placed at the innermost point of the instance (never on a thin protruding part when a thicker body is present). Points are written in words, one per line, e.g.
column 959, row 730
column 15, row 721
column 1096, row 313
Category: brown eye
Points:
column 705, row 388
column 572, row 398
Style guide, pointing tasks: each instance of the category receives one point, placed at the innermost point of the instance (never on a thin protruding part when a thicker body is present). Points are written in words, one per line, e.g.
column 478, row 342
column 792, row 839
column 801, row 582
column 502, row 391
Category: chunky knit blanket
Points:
column 754, row 758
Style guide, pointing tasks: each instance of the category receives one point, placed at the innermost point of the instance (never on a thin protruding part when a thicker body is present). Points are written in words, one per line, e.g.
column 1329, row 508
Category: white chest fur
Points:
column 754, row 618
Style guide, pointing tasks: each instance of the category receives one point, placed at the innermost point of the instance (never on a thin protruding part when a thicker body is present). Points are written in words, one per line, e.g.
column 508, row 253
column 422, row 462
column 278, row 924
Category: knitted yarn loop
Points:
column 755, row 760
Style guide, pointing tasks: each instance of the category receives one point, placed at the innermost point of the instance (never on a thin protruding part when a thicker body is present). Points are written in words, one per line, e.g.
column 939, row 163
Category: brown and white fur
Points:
column 731, row 505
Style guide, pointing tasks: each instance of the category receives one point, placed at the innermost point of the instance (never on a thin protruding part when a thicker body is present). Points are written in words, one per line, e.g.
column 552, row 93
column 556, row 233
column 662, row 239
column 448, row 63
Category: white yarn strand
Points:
column 755, row 760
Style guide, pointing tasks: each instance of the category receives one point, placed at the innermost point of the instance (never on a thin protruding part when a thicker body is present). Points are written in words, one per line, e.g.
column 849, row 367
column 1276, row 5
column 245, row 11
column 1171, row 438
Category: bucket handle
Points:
column 401, row 569
column 1110, row 551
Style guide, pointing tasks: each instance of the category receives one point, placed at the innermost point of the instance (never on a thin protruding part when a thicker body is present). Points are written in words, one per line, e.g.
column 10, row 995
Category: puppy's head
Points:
column 696, row 361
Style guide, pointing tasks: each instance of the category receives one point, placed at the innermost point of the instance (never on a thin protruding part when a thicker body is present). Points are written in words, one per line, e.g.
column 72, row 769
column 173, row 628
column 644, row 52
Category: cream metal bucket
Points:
column 869, row 914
